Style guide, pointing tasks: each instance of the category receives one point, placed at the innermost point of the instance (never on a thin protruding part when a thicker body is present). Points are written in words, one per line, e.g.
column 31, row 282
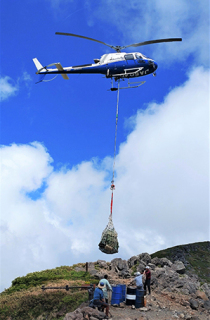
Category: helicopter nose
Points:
column 155, row 65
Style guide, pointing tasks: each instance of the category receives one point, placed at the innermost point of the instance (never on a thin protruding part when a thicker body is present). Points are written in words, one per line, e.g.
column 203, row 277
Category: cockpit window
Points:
column 129, row 57
column 144, row 57
column 138, row 56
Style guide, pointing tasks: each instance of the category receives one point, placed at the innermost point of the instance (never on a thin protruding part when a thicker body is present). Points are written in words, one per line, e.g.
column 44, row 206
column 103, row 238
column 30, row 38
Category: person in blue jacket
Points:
column 98, row 298
column 106, row 286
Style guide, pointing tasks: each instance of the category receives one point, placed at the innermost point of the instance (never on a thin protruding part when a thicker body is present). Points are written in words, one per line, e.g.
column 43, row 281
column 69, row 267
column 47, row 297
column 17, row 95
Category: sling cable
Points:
column 109, row 243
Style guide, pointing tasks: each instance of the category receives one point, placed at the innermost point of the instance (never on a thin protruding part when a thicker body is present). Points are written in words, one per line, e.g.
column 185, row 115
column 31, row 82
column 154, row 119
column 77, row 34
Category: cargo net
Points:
column 109, row 243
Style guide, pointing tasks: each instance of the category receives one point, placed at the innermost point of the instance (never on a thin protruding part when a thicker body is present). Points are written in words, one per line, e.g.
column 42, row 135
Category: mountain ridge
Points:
column 195, row 256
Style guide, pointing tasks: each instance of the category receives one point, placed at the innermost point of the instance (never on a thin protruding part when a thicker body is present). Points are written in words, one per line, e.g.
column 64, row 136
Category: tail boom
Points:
column 59, row 67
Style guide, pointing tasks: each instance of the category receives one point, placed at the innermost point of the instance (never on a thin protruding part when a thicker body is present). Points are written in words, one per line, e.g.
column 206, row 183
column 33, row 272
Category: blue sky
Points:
column 57, row 137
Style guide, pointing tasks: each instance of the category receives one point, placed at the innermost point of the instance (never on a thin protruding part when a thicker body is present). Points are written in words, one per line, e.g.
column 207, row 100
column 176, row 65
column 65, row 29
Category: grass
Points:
column 25, row 300
column 30, row 306
column 41, row 278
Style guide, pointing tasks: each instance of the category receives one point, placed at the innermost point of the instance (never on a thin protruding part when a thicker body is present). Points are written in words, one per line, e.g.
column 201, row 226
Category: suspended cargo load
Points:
column 109, row 243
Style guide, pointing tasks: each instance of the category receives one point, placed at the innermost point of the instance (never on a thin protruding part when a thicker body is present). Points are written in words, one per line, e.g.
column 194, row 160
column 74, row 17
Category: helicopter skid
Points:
column 130, row 85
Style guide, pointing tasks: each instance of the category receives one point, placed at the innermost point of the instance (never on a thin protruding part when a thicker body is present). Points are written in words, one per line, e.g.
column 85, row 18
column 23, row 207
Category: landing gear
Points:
column 129, row 84
column 154, row 74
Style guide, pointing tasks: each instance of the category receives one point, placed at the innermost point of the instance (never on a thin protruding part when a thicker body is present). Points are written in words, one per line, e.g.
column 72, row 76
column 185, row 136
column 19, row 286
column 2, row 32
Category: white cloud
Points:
column 138, row 21
column 164, row 166
column 7, row 88
column 26, row 78
column 135, row 21
column 161, row 196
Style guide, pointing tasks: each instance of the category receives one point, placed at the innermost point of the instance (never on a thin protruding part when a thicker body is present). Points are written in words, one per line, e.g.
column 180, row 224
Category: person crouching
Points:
column 98, row 298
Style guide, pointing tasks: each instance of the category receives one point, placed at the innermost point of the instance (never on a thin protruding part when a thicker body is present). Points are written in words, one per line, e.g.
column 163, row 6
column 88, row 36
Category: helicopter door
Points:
column 130, row 62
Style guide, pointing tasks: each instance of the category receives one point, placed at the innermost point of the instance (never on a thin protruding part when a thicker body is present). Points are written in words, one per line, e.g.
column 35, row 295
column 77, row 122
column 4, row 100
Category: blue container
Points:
column 116, row 295
column 139, row 298
column 123, row 292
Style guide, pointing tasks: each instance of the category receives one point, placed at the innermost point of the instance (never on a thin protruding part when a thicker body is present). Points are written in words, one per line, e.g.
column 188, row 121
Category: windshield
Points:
column 138, row 56
column 103, row 58
column 144, row 56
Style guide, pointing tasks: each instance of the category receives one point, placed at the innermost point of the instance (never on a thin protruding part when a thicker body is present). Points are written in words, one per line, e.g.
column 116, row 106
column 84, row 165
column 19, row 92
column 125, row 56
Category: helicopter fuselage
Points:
column 113, row 65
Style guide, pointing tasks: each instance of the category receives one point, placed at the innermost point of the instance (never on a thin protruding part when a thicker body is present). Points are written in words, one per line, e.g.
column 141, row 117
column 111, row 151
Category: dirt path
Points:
column 160, row 307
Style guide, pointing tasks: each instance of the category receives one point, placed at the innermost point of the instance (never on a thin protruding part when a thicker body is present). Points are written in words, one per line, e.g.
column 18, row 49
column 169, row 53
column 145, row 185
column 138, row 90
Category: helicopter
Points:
column 118, row 66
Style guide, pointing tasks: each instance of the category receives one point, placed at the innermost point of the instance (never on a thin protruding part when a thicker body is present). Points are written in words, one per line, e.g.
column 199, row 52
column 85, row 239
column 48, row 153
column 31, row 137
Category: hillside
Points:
column 177, row 291
column 25, row 299
column 195, row 257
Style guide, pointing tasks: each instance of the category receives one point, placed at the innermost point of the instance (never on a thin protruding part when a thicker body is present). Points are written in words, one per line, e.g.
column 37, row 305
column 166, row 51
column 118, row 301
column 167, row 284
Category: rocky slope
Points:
column 195, row 257
column 177, row 291
column 175, row 294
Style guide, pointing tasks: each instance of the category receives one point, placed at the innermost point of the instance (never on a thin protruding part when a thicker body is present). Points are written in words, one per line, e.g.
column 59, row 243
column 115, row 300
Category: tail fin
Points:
column 37, row 64
column 58, row 66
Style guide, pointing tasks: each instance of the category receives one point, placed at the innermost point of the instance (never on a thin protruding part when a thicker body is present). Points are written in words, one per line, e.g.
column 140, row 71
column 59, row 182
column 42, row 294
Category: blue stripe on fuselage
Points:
column 115, row 67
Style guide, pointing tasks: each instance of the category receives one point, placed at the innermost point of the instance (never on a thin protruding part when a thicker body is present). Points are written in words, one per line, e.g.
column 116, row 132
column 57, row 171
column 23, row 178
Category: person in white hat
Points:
column 98, row 298
column 138, row 280
column 147, row 273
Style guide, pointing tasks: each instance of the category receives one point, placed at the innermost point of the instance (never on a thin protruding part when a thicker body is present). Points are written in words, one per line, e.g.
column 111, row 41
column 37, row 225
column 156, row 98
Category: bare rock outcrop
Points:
column 141, row 266
column 133, row 261
column 102, row 264
column 167, row 278
column 206, row 288
column 161, row 262
column 120, row 267
column 178, row 266
column 85, row 313
column 145, row 257
column 194, row 304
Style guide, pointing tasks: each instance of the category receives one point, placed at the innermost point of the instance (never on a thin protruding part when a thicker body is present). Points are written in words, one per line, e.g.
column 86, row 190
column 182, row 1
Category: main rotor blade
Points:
column 151, row 41
column 76, row 35
column 119, row 48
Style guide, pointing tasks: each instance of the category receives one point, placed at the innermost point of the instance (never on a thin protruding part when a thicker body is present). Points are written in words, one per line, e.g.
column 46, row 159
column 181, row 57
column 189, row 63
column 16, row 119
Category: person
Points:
column 138, row 280
column 106, row 286
column 98, row 298
column 147, row 273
